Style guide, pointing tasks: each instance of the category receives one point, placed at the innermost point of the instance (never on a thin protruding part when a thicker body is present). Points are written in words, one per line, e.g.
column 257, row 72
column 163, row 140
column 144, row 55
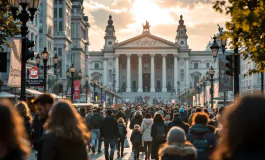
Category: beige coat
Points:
column 146, row 129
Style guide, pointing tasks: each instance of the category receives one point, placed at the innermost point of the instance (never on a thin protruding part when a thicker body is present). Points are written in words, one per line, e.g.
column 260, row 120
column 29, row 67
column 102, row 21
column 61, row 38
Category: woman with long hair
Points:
column 24, row 112
column 146, row 134
column 66, row 134
column 242, row 135
column 13, row 138
column 123, row 132
column 158, row 134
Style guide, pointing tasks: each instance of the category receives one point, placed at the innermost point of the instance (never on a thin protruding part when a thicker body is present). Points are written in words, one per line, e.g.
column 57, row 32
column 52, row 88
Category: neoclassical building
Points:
column 148, row 63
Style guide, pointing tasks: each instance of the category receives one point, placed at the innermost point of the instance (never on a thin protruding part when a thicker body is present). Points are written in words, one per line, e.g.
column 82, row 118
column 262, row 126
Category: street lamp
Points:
column 86, row 79
column 197, row 92
column 211, row 73
column 27, row 6
column 80, row 78
column 114, row 82
column 215, row 47
column 179, row 91
column 204, row 87
column 94, row 82
column 45, row 67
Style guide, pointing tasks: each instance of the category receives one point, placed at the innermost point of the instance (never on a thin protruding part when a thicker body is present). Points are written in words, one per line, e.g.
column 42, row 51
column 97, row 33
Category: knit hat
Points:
column 181, row 110
column 176, row 135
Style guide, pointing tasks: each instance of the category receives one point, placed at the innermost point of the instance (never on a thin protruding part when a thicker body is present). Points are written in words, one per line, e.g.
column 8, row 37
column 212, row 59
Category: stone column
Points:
column 128, row 89
column 175, row 72
column 117, row 78
column 164, row 74
column 140, row 73
column 152, row 78
column 187, row 72
column 105, row 68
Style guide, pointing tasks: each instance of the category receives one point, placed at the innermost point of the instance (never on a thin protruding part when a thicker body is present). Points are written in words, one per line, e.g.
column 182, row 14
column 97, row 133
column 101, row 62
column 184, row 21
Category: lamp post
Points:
column 211, row 73
column 45, row 57
column 27, row 6
column 215, row 47
column 71, row 71
column 197, row 92
column 101, row 89
column 179, row 91
column 106, row 92
column 80, row 78
column 86, row 86
column 204, row 88
column 94, row 82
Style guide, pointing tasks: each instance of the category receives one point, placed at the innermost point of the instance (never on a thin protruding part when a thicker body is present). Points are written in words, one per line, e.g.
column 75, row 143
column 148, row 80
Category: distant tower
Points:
column 182, row 38
column 110, row 37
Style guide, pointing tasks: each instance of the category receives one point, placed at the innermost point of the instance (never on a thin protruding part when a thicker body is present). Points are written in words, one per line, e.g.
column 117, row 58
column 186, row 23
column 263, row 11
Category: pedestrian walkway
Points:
column 127, row 155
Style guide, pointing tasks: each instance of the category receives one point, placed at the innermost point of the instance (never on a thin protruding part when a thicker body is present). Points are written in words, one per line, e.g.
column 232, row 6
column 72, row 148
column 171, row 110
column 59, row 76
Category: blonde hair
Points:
column 167, row 117
column 121, row 120
column 64, row 121
column 136, row 126
column 24, row 110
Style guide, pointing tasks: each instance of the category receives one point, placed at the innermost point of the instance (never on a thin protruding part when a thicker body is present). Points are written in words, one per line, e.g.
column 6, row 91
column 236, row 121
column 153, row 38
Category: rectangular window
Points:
column 60, row 26
column 60, row 13
column 195, row 65
column 55, row 12
column 207, row 65
column 60, row 52
column 55, row 26
column 96, row 66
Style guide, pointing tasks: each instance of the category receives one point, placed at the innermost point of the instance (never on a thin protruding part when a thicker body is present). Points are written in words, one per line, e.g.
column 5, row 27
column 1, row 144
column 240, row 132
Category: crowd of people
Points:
column 59, row 131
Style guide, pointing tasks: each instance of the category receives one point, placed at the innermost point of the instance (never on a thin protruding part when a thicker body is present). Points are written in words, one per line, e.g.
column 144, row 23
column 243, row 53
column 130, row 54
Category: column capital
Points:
column 140, row 55
column 128, row 55
column 164, row 54
column 152, row 55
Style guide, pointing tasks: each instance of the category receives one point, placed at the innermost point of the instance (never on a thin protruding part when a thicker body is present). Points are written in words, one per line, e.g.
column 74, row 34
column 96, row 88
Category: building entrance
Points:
column 146, row 82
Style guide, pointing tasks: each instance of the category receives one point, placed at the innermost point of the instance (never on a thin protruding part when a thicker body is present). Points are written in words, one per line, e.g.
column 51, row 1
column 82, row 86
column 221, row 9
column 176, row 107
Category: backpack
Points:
column 161, row 133
column 136, row 139
column 121, row 131
column 202, row 147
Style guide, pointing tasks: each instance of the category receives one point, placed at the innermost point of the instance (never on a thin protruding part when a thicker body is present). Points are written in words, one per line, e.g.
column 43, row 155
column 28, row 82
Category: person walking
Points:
column 136, row 120
column 158, row 134
column 110, row 134
column 44, row 103
column 123, row 133
column 127, row 114
column 89, row 127
column 13, row 137
column 201, row 137
column 66, row 134
column 242, row 134
column 96, row 122
column 177, row 121
column 136, row 139
column 177, row 148
column 183, row 115
column 146, row 134
column 120, row 114
column 24, row 112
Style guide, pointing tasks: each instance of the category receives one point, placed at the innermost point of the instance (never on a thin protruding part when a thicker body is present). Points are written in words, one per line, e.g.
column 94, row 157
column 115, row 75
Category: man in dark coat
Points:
column 183, row 115
column 177, row 121
column 138, row 119
column 44, row 103
column 120, row 114
column 127, row 113
column 110, row 134
column 96, row 122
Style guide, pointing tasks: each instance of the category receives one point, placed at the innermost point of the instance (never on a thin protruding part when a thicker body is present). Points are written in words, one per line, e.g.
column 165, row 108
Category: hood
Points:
column 148, row 121
column 199, row 129
column 177, row 120
column 178, row 150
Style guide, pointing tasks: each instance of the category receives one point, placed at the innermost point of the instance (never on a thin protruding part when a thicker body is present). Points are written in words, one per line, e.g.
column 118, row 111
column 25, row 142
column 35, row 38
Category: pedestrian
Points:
column 177, row 121
column 191, row 116
column 146, row 134
column 183, row 115
column 66, row 134
column 89, row 127
column 136, row 139
column 201, row 137
column 242, row 135
column 44, row 103
column 167, row 119
column 96, row 122
column 177, row 148
column 24, row 112
column 127, row 114
column 136, row 120
column 120, row 114
column 158, row 134
column 13, row 137
column 123, row 133
column 110, row 134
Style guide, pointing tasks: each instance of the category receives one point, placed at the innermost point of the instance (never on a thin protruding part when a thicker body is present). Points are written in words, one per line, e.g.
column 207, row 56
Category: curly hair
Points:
column 24, row 110
column 121, row 120
column 64, row 121
column 12, row 135
column 200, row 118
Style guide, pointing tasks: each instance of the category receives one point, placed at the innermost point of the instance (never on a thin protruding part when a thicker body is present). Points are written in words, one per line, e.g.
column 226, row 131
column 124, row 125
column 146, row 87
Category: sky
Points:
column 163, row 15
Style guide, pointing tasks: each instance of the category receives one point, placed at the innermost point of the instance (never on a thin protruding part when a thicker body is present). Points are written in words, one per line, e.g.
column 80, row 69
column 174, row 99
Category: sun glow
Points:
column 143, row 10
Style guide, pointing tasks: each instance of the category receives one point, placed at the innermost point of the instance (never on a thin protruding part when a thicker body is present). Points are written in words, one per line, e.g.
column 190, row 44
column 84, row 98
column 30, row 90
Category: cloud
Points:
column 182, row 3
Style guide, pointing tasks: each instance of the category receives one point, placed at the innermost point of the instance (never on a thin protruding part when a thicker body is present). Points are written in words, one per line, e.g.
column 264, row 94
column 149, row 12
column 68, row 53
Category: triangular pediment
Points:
column 146, row 40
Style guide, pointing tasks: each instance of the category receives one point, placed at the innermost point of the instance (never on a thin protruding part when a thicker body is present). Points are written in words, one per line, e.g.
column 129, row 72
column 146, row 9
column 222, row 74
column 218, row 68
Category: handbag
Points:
column 126, row 143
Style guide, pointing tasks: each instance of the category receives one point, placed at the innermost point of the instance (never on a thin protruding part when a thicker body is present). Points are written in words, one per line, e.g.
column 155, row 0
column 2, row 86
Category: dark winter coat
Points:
column 37, row 131
column 59, row 148
column 109, row 129
column 178, row 152
column 136, row 133
column 177, row 122
column 200, row 130
column 27, row 126
column 120, row 114
column 247, row 154
column 127, row 113
column 15, row 154
column 124, row 131
column 138, row 119
column 96, row 120
column 184, row 117
column 155, row 143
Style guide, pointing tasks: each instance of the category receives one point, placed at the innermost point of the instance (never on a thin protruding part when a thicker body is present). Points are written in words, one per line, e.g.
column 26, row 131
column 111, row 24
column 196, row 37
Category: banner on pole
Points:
column 76, row 89
column 14, row 78
column 225, row 81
